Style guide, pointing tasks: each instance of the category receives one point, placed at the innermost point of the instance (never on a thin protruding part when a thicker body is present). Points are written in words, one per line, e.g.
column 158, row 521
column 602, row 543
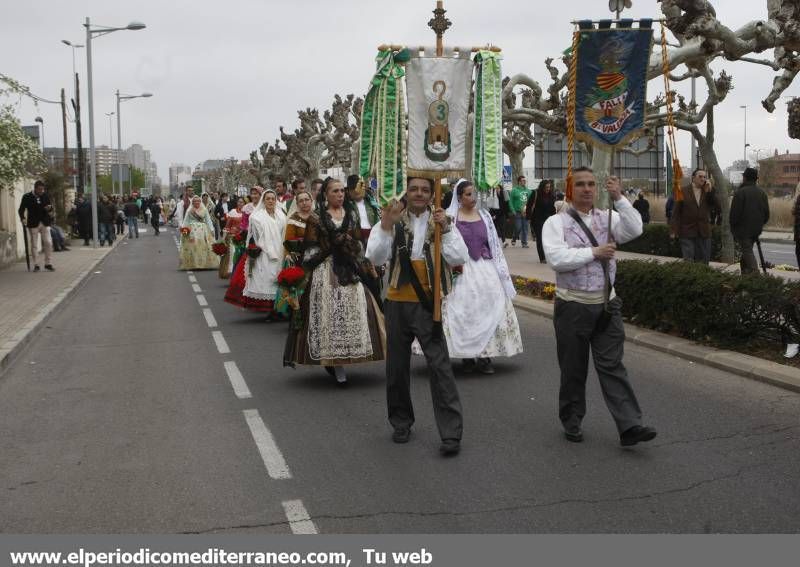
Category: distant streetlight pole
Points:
column 120, row 98
column 77, row 166
column 40, row 120
column 111, row 143
column 744, row 106
column 98, row 31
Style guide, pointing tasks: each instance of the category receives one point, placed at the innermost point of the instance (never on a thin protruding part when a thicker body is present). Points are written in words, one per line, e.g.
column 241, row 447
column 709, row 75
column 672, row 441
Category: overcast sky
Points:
column 226, row 74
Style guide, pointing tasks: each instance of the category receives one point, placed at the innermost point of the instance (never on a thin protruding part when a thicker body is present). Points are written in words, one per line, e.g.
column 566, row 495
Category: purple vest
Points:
column 588, row 277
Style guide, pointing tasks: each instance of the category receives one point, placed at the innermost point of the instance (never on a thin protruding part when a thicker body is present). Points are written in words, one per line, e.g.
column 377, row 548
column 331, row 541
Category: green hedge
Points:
column 705, row 304
column 655, row 241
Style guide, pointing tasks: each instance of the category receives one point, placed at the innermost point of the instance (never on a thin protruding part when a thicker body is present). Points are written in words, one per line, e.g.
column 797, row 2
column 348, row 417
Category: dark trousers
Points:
column 154, row 224
column 537, row 226
column 797, row 252
column 404, row 321
column 748, row 263
column 576, row 335
column 696, row 249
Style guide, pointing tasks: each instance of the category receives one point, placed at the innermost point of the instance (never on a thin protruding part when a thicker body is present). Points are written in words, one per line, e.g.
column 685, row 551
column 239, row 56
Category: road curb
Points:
column 751, row 367
column 12, row 348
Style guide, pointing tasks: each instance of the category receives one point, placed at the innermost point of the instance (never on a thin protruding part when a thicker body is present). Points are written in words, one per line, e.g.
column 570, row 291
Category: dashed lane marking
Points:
column 270, row 454
column 210, row 320
column 196, row 288
column 192, row 279
column 237, row 381
column 201, row 299
column 299, row 519
column 222, row 346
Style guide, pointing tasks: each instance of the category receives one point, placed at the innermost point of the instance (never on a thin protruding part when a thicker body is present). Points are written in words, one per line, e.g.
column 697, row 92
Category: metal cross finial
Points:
column 439, row 24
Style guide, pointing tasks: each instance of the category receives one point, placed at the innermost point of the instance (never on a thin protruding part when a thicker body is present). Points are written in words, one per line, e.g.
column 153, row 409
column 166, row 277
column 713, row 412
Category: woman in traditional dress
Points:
column 341, row 321
column 230, row 237
column 197, row 237
column 485, row 281
column 234, row 293
column 266, row 231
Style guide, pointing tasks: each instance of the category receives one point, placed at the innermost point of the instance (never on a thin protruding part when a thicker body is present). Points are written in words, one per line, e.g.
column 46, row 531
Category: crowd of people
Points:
column 354, row 284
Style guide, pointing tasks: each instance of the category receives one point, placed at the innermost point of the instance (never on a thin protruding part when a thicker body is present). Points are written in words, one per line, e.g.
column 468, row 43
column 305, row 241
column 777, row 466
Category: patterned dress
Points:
column 196, row 252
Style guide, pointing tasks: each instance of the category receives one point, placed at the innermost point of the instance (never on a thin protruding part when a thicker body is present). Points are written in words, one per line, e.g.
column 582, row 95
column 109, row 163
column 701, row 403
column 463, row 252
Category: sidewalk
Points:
column 525, row 262
column 29, row 299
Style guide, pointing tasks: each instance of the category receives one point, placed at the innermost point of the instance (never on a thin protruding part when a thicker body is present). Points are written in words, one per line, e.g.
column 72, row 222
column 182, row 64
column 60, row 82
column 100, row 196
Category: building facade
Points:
column 645, row 170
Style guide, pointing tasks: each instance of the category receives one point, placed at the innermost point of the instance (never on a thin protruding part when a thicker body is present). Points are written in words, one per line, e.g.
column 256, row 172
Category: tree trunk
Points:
column 516, row 159
column 722, row 187
column 601, row 165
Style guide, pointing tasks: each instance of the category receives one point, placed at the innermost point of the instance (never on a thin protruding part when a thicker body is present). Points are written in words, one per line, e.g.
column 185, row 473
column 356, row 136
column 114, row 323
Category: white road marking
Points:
column 237, row 381
column 298, row 517
column 196, row 288
column 201, row 299
column 189, row 273
column 222, row 346
column 270, row 454
column 192, row 279
column 212, row 322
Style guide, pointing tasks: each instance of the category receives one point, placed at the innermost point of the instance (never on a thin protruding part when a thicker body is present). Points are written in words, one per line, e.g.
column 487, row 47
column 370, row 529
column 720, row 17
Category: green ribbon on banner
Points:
column 382, row 148
column 487, row 134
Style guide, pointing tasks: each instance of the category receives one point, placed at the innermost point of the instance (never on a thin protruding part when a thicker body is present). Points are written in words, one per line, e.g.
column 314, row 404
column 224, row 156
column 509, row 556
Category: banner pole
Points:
column 437, row 190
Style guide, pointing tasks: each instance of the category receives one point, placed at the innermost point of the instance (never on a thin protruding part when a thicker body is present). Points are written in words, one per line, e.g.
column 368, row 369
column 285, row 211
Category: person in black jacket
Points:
column 643, row 206
column 749, row 214
column 36, row 206
column 500, row 214
column 106, row 211
column 132, row 216
column 543, row 206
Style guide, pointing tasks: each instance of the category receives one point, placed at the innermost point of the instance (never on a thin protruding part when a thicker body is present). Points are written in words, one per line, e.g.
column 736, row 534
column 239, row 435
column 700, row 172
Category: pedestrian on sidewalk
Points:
column 587, row 315
column 642, row 205
column 106, row 212
column 517, row 203
column 749, row 214
column 500, row 213
column 690, row 220
column 39, row 212
column 84, row 214
column 132, row 216
column 543, row 207
column 405, row 239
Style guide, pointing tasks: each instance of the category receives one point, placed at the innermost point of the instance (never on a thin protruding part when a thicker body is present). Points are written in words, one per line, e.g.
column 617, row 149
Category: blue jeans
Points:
column 106, row 230
column 133, row 227
column 520, row 228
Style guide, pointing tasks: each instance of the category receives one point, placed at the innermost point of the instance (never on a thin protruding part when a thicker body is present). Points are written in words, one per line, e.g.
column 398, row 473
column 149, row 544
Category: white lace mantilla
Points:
column 338, row 327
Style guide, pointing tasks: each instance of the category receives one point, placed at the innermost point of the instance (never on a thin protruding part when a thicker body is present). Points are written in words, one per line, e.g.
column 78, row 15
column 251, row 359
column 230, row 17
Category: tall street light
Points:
column 744, row 106
column 111, row 142
column 98, row 31
column 120, row 98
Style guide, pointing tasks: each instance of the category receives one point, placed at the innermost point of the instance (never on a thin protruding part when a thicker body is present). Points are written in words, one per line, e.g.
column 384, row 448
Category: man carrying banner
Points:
column 587, row 312
column 405, row 239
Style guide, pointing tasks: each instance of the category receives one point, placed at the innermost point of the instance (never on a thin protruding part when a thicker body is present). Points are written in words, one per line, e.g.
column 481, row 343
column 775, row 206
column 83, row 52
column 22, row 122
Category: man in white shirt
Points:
column 404, row 237
column 587, row 312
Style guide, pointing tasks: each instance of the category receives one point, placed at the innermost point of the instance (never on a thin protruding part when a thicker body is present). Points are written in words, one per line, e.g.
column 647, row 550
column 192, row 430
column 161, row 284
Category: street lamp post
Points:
column 111, row 144
column 744, row 106
column 98, row 31
column 120, row 98
column 76, row 107
column 40, row 120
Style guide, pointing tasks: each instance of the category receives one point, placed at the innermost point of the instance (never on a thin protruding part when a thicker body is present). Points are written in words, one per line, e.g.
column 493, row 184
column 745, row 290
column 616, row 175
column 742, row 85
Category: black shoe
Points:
column 49, row 267
column 468, row 365
column 329, row 370
column 485, row 366
column 36, row 268
column 574, row 434
column 450, row 447
column 401, row 434
column 637, row 434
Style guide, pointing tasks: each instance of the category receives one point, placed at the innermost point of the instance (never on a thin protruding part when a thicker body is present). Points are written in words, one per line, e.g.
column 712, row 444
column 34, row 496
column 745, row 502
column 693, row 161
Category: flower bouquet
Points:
column 186, row 231
column 219, row 248
column 292, row 283
column 253, row 252
column 457, row 271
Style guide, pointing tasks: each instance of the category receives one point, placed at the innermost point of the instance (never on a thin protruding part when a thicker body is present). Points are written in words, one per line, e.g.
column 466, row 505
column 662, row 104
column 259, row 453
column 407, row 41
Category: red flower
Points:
column 185, row 230
column 220, row 248
column 253, row 251
column 458, row 270
column 290, row 277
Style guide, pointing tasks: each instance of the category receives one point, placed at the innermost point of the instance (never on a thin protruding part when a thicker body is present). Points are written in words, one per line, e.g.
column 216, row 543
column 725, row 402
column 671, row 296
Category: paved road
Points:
column 123, row 417
column 779, row 253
